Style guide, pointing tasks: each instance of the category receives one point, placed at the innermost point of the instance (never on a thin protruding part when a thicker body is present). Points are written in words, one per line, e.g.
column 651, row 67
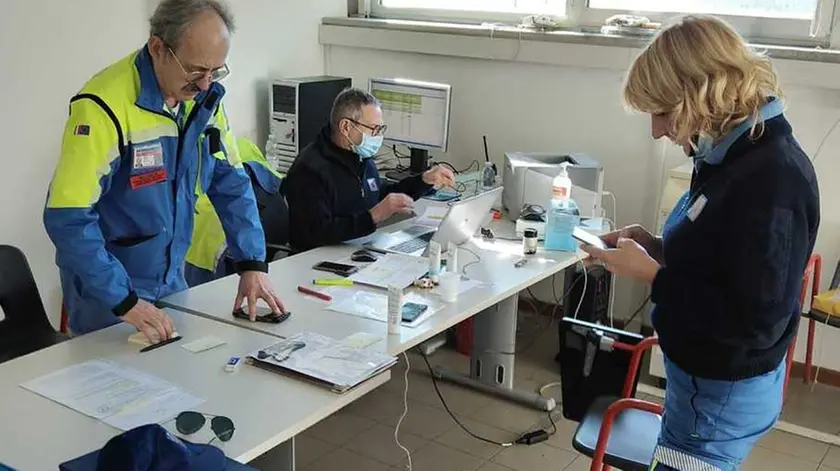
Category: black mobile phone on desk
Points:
column 340, row 269
column 264, row 315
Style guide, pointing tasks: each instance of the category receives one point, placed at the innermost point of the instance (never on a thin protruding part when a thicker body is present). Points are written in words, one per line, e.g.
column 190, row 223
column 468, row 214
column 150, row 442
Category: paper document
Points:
column 392, row 270
column 119, row 396
column 324, row 359
column 433, row 216
column 374, row 305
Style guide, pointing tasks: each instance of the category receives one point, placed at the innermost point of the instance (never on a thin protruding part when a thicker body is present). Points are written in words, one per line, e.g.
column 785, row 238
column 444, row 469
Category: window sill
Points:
column 805, row 66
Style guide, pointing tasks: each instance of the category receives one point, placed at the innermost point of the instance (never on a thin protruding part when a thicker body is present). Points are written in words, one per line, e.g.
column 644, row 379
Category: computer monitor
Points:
column 417, row 115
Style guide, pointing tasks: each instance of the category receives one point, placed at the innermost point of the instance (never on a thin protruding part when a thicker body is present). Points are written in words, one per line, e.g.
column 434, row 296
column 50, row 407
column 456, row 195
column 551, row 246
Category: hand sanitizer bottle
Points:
column 488, row 176
column 562, row 215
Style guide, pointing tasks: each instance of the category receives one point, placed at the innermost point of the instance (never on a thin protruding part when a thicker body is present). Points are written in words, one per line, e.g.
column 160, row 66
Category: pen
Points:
column 332, row 282
column 375, row 250
column 160, row 344
column 312, row 292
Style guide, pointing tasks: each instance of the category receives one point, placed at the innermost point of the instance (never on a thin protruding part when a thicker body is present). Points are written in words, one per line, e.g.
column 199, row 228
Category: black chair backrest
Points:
column 274, row 213
column 19, row 297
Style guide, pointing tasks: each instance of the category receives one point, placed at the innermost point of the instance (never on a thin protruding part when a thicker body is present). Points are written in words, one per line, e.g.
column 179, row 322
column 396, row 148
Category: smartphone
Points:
column 411, row 311
column 263, row 315
column 336, row 268
column 589, row 238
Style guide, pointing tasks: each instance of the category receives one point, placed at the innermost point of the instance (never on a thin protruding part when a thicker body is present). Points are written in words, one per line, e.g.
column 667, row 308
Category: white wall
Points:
column 48, row 49
column 274, row 38
column 534, row 107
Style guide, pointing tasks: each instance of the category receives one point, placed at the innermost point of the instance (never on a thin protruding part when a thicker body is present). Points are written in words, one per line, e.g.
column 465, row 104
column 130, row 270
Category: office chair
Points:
column 25, row 329
column 815, row 316
column 274, row 216
column 600, row 371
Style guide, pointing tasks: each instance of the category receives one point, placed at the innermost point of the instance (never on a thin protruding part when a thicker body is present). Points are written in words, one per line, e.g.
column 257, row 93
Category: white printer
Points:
column 527, row 178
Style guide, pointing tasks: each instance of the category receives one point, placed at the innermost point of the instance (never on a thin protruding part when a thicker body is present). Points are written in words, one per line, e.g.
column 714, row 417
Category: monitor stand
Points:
column 419, row 164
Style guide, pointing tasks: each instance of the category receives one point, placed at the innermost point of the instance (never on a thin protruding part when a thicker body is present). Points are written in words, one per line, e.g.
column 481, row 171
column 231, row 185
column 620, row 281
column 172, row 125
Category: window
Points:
column 782, row 21
column 483, row 10
column 798, row 9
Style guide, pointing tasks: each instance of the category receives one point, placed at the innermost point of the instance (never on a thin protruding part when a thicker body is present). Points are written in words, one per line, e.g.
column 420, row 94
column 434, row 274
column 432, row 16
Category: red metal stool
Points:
column 621, row 432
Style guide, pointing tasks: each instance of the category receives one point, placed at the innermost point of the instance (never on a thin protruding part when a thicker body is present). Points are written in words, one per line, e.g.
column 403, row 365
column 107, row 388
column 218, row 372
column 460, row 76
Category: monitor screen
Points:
column 417, row 113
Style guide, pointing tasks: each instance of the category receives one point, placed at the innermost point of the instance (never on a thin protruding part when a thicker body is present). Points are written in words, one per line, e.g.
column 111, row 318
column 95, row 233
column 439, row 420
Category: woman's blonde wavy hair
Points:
column 701, row 73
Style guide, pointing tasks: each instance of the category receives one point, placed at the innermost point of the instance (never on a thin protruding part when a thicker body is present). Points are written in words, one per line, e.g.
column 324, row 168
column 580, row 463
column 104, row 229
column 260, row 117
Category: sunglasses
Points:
column 190, row 422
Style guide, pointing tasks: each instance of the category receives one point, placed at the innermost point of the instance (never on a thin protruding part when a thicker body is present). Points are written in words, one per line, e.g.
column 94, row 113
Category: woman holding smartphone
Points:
column 725, row 277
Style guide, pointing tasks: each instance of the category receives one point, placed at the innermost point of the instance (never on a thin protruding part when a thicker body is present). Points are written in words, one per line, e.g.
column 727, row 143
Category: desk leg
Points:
column 491, row 362
column 285, row 455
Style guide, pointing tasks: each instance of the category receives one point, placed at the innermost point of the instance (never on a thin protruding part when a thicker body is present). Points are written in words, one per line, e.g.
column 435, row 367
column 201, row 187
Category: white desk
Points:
column 267, row 409
column 496, row 300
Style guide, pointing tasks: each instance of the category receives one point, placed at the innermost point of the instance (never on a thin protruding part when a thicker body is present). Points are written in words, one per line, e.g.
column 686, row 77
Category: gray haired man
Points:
column 145, row 136
column 333, row 188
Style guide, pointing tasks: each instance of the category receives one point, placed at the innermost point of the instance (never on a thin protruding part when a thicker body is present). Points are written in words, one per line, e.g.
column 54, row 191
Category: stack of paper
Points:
column 323, row 360
column 119, row 396
column 392, row 270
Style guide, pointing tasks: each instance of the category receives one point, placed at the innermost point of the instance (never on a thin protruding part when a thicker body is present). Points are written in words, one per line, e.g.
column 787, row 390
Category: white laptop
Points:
column 462, row 220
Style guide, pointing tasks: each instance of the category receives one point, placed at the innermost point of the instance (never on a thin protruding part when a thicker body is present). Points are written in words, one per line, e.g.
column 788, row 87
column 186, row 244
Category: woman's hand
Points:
column 628, row 259
column 637, row 233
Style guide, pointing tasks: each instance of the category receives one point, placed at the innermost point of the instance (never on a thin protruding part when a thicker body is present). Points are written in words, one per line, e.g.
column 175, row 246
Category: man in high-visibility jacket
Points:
column 144, row 137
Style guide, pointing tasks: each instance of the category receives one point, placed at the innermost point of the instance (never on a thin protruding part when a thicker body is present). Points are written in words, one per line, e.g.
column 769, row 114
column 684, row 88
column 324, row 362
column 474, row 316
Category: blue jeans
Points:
column 713, row 425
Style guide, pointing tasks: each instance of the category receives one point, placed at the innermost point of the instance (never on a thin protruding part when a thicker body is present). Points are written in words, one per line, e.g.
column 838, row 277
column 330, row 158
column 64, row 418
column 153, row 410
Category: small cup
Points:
column 450, row 285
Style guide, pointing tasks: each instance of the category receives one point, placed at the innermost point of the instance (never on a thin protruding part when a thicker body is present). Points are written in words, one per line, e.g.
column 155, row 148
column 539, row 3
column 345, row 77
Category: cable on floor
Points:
column 405, row 412
column 454, row 417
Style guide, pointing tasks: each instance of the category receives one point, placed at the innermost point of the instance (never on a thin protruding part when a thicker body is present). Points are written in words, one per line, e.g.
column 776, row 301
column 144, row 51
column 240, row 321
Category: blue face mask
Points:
column 704, row 148
column 369, row 146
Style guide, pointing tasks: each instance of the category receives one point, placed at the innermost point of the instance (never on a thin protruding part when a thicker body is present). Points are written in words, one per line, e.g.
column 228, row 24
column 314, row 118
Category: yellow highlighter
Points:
column 332, row 282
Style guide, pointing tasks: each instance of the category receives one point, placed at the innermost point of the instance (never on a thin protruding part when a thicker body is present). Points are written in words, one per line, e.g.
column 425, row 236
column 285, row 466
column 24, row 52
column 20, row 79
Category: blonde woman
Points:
column 726, row 275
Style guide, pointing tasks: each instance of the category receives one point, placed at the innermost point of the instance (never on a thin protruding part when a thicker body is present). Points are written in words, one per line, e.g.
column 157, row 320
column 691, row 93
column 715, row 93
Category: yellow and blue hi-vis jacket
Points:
column 121, row 204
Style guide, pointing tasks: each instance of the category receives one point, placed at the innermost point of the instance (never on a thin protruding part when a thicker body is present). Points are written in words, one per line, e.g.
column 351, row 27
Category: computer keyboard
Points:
column 413, row 245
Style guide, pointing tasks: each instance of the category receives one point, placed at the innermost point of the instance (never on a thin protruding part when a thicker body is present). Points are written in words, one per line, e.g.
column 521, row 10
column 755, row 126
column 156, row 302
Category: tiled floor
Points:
column 361, row 437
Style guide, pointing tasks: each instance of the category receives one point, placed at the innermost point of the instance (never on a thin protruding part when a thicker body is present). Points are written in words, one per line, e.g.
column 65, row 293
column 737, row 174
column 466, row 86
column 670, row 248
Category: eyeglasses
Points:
column 190, row 422
column 374, row 130
column 216, row 75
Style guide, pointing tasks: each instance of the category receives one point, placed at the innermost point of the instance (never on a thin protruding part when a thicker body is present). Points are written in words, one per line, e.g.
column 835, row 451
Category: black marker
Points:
column 161, row 344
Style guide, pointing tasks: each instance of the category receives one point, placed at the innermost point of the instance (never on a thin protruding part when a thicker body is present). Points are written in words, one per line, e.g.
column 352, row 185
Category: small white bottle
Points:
column 452, row 258
column 395, row 304
column 434, row 261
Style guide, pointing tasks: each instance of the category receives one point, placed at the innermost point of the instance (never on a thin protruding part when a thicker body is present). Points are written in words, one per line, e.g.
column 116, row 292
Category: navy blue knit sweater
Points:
column 727, row 296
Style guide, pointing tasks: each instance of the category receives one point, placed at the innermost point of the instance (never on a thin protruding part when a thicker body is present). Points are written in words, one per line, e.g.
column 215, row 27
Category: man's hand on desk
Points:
column 395, row 203
column 154, row 324
column 439, row 176
column 255, row 285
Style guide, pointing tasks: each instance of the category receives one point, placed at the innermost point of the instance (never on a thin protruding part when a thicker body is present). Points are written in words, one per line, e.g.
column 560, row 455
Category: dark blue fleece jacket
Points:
column 727, row 296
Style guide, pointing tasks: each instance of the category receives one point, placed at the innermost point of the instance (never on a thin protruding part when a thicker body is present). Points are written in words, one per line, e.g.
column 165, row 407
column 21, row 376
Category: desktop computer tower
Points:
column 298, row 109
column 595, row 307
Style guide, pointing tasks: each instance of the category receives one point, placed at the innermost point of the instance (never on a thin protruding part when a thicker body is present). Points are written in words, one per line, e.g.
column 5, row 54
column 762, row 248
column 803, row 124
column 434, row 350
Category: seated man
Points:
column 334, row 190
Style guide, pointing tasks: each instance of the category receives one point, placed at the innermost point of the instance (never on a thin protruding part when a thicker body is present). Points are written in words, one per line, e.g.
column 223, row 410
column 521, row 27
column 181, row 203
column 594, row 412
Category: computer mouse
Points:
column 532, row 212
column 363, row 256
